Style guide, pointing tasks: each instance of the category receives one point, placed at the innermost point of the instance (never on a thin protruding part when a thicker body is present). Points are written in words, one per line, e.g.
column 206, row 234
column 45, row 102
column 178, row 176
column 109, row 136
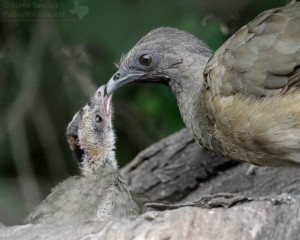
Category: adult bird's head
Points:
column 165, row 55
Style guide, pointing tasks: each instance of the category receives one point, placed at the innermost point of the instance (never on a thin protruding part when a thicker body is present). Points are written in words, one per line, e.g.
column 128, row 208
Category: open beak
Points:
column 122, row 77
column 105, row 99
column 107, row 103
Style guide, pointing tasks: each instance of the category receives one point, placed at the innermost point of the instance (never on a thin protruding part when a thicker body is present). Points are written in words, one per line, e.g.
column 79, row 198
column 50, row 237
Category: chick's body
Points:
column 99, row 193
column 99, row 196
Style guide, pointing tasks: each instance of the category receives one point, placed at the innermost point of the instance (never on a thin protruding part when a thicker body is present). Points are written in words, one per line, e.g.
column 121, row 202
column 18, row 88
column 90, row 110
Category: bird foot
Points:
column 251, row 170
column 225, row 200
column 254, row 168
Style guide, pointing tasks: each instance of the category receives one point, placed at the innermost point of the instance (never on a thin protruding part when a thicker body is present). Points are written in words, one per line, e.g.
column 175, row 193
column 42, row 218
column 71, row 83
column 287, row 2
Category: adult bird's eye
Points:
column 145, row 60
column 98, row 119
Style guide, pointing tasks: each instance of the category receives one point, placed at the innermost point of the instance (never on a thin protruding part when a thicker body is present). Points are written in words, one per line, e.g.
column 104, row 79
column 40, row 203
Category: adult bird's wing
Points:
column 261, row 59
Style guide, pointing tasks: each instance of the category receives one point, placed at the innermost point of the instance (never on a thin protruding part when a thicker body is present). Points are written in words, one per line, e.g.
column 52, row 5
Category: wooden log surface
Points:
column 176, row 170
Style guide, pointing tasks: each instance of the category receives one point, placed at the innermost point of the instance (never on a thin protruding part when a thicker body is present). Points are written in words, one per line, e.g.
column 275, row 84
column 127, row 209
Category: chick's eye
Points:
column 98, row 119
column 145, row 60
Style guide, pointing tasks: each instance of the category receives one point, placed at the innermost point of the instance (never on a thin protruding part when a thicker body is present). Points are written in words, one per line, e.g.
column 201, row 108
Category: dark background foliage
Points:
column 54, row 56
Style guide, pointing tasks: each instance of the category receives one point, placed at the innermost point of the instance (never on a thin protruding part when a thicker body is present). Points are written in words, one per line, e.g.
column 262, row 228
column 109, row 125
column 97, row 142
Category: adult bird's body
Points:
column 242, row 101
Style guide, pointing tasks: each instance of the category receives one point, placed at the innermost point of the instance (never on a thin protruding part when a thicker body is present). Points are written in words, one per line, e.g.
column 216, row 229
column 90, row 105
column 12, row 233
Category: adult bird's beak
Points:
column 122, row 77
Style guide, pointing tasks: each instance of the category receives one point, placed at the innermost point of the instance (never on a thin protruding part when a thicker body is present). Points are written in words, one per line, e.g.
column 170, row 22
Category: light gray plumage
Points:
column 242, row 101
column 99, row 193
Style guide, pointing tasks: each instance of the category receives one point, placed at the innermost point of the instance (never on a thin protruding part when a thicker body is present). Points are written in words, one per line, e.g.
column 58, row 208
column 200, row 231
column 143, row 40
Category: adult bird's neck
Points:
column 189, row 92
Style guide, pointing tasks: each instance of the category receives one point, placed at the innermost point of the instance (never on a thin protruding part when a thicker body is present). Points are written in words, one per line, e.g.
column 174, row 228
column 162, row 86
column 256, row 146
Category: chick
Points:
column 99, row 193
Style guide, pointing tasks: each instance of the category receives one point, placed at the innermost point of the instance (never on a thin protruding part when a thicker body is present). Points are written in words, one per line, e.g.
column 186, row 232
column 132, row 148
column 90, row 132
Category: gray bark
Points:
column 177, row 170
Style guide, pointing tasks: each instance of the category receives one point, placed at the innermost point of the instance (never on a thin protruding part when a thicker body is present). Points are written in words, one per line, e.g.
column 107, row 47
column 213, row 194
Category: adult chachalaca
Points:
column 242, row 101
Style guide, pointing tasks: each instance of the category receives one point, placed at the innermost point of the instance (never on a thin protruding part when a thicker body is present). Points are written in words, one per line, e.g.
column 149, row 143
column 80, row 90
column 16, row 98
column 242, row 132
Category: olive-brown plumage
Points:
column 99, row 193
column 241, row 101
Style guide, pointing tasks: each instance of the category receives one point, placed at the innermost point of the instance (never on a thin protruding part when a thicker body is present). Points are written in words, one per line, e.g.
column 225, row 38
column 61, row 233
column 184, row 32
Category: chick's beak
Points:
column 107, row 103
column 122, row 77
column 104, row 99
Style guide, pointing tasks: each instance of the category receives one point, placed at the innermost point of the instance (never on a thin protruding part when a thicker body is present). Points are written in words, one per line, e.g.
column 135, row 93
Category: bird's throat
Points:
column 192, row 100
column 92, row 163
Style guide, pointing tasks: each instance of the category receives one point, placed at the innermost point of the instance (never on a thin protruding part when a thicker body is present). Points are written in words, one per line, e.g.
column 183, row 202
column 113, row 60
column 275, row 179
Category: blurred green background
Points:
column 54, row 54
